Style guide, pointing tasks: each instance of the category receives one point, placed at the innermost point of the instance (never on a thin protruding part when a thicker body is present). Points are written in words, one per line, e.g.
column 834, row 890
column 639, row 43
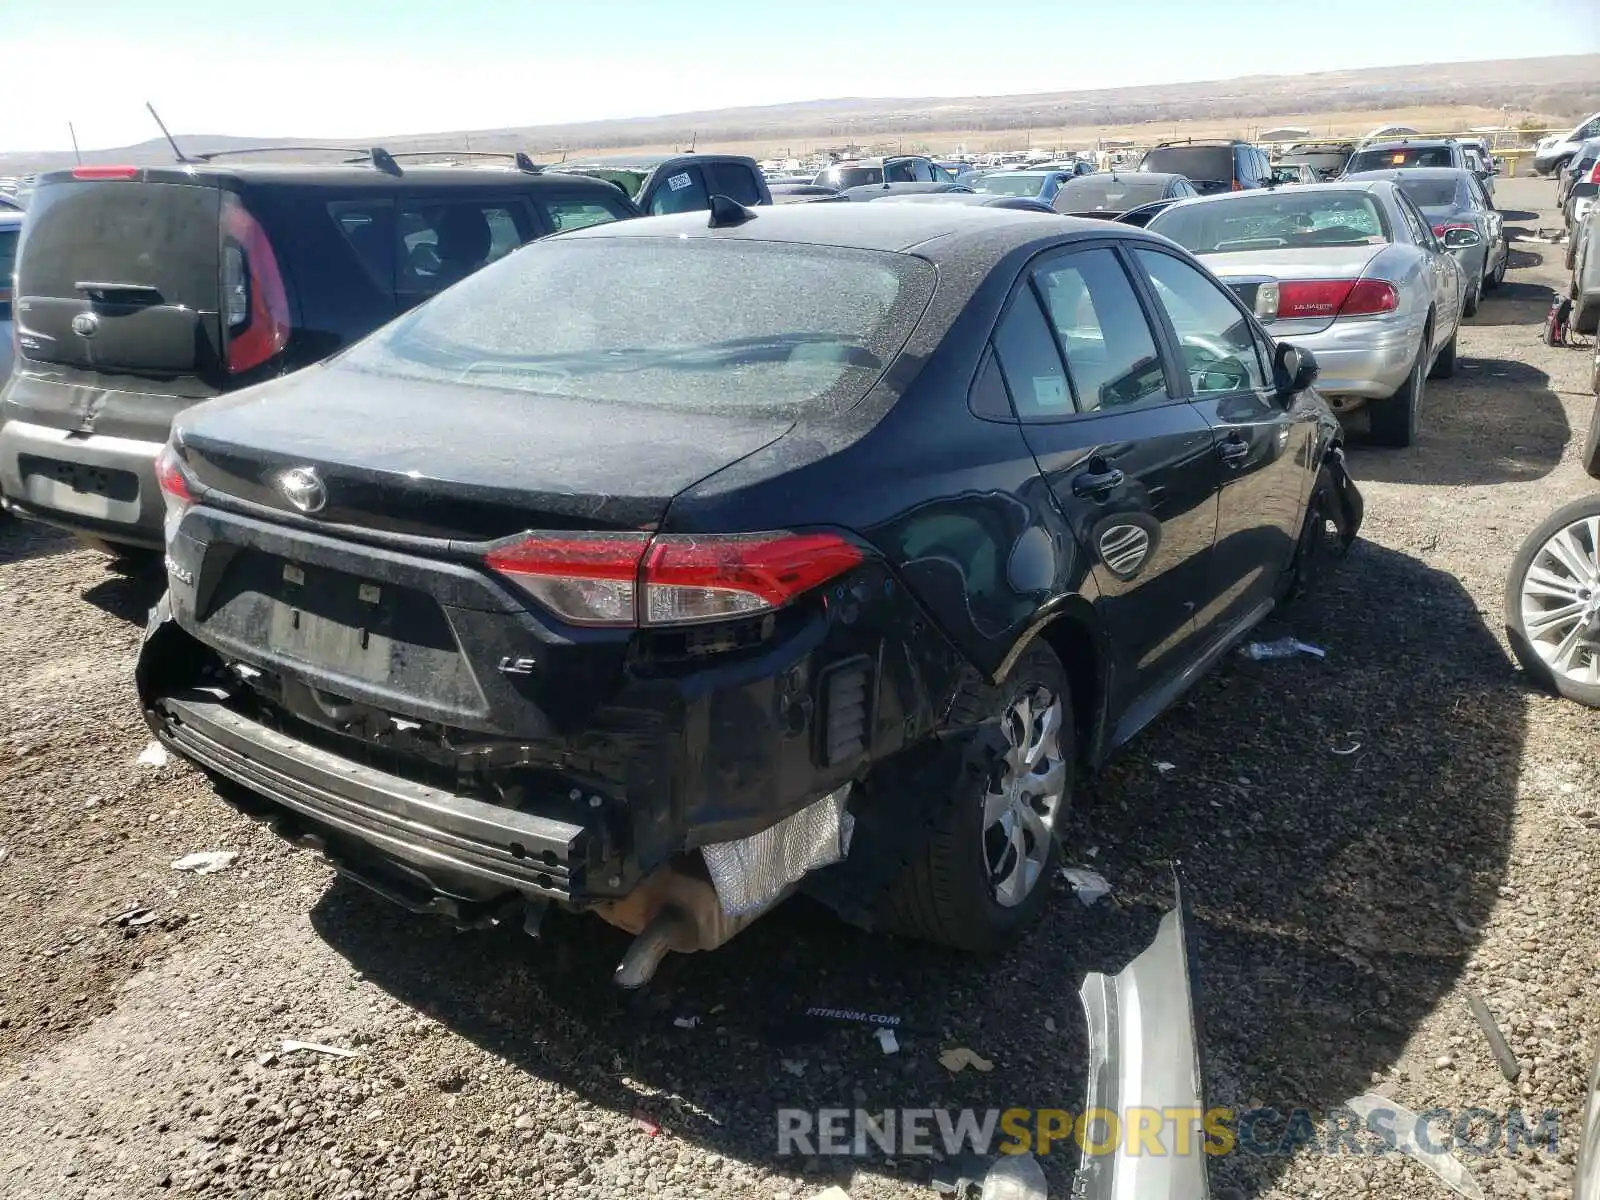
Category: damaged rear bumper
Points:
column 1144, row 1058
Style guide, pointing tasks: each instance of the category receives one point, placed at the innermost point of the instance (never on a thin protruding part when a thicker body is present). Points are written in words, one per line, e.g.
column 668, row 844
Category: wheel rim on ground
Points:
column 1561, row 601
column 1024, row 797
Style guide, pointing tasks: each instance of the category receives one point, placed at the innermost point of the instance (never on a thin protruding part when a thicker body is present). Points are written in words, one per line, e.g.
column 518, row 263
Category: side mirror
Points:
column 1462, row 239
column 1294, row 368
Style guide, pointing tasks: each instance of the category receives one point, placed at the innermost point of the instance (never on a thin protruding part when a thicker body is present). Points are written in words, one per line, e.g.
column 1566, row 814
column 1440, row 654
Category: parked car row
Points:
column 665, row 565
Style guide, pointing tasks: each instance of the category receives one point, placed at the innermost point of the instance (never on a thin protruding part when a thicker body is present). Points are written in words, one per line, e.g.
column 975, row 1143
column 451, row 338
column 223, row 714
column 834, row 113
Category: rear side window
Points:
column 160, row 235
column 442, row 242
column 1030, row 362
column 1111, row 353
column 1430, row 193
column 733, row 180
column 578, row 214
column 368, row 229
column 665, row 322
column 682, row 191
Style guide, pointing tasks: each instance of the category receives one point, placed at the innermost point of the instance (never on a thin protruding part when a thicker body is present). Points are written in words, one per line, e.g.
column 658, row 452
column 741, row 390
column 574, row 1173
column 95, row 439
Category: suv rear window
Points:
column 664, row 323
column 849, row 177
column 1201, row 164
column 1430, row 193
column 1389, row 157
column 443, row 242
column 161, row 235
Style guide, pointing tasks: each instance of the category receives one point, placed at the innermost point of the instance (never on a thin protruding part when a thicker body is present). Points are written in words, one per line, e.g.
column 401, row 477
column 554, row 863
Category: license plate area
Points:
column 350, row 649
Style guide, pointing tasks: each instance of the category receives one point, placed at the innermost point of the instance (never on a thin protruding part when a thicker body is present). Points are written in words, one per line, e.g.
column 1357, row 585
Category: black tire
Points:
column 1469, row 302
column 1444, row 367
column 1498, row 276
column 1539, row 671
column 945, row 893
column 1319, row 538
column 1591, row 444
column 1395, row 420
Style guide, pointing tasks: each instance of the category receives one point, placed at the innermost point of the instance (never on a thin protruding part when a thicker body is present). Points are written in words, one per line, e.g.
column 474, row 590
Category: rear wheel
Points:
column 1591, row 444
column 1445, row 365
column 1552, row 602
column 1319, row 538
column 984, row 874
column 1395, row 420
column 1498, row 275
column 1469, row 304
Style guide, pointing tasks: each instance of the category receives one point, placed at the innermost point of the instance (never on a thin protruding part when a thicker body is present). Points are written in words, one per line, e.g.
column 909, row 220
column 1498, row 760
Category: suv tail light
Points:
column 626, row 579
column 1299, row 299
column 1594, row 172
column 255, row 306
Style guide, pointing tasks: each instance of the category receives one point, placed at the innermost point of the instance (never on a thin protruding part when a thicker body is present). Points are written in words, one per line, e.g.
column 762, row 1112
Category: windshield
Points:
column 1430, row 193
column 1089, row 193
column 1274, row 221
column 1006, row 183
column 1400, row 156
column 627, row 179
column 668, row 322
column 849, row 177
column 1202, row 164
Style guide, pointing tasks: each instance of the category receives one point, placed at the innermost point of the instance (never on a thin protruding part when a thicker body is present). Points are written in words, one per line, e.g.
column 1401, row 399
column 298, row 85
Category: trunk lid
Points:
column 1245, row 271
column 435, row 460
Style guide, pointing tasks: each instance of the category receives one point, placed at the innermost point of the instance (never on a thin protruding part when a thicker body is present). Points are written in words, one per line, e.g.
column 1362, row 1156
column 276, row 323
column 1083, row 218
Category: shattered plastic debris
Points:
column 958, row 1057
column 1166, row 768
column 886, row 1039
column 1350, row 749
column 206, row 862
column 289, row 1046
column 686, row 1022
column 1089, row 885
column 1402, row 1136
column 646, row 1124
column 793, row 1066
column 1286, row 647
column 1015, row 1177
column 1509, row 1066
column 153, row 755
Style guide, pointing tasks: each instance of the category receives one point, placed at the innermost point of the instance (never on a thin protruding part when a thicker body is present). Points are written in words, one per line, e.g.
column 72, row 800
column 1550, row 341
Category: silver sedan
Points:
column 1451, row 200
column 1351, row 271
column 10, row 234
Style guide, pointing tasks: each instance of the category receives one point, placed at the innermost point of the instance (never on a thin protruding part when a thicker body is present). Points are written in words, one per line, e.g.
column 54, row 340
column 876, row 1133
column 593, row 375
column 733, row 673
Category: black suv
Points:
column 1211, row 166
column 663, row 562
column 673, row 183
column 141, row 290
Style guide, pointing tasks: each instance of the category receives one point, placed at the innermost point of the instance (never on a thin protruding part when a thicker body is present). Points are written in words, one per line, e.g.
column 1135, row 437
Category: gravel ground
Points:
column 1346, row 904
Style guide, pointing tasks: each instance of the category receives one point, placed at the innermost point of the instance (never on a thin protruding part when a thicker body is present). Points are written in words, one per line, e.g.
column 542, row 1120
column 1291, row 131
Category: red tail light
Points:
column 105, row 172
column 254, row 304
column 1440, row 230
column 1370, row 297
column 629, row 579
column 1301, row 299
column 171, row 479
column 1237, row 186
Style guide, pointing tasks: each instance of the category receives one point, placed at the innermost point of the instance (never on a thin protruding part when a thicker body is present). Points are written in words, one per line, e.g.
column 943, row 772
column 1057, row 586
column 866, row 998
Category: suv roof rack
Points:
column 376, row 155
column 522, row 161
column 1190, row 141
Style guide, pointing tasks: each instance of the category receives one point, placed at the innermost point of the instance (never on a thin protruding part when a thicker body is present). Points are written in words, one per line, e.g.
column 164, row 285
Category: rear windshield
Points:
column 1090, row 192
column 669, row 323
column 1007, row 184
column 1304, row 217
column 849, row 177
column 161, row 235
column 1321, row 160
column 1430, row 193
column 1202, row 164
column 1401, row 156
column 629, row 181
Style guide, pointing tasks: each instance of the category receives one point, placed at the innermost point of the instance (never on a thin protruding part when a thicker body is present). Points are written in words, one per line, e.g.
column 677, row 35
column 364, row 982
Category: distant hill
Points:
column 1556, row 88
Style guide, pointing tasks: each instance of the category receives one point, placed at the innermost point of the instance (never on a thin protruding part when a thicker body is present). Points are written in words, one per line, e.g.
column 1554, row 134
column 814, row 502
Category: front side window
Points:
column 1111, row 353
column 900, row 172
column 441, row 243
column 1219, row 346
column 579, row 214
column 664, row 322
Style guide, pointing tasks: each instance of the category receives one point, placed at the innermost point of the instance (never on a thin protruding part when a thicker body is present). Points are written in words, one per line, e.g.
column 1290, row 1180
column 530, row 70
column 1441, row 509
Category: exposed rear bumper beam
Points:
column 437, row 834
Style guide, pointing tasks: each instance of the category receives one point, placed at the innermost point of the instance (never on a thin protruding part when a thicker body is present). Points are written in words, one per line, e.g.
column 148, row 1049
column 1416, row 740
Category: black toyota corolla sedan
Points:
column 668, row 566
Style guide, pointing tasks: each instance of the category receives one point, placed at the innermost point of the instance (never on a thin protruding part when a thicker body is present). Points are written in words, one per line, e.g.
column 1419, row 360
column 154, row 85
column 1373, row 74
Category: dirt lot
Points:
column 1346, row 904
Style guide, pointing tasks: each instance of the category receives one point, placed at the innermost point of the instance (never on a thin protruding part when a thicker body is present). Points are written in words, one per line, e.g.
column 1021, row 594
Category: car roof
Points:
column 344, row 175
column 940, row 232
column 1424, row 143
column 1402, row 173
column 1130, row 176
column 1301, row 189
column 641, row 162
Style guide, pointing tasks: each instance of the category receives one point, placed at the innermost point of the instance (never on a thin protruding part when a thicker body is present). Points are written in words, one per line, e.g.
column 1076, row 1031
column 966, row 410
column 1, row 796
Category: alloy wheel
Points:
column 1561, row 601
column 1025, row 796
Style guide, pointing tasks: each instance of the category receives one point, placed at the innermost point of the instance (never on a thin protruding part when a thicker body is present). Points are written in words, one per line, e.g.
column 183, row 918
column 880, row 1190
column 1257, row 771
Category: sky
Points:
column 333, row 69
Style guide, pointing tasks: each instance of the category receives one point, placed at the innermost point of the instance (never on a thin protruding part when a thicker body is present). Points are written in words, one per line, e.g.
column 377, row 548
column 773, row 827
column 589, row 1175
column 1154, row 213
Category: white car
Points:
column 1553, row 152
column 10, row 235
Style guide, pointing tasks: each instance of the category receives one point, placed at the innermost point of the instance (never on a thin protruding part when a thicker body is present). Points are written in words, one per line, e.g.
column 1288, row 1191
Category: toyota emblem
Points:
column 86, row 324
column 303, row 489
